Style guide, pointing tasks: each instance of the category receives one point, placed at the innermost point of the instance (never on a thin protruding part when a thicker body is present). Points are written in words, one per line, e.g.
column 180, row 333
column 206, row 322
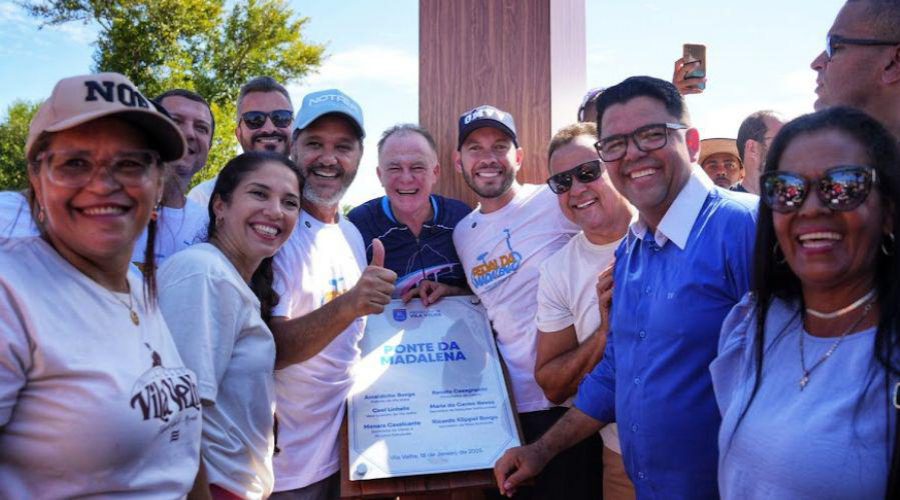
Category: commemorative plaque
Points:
column 429, row 394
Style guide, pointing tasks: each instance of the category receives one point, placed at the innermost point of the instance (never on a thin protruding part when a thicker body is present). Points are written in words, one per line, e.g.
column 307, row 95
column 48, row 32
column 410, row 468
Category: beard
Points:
column 312, row 193
column 489, row 191
column 283, row 147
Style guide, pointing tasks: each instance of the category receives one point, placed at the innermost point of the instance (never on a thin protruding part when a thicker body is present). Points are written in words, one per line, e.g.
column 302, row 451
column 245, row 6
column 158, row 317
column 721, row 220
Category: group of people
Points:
column 679, row 318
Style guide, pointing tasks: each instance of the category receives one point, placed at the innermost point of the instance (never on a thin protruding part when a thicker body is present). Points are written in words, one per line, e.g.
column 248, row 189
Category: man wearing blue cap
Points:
column 502, row 244
column 325, row 290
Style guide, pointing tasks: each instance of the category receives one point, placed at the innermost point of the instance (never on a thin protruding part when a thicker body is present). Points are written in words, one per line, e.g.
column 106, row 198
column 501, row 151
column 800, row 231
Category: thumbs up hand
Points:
column 377, row 253
column 373, row 290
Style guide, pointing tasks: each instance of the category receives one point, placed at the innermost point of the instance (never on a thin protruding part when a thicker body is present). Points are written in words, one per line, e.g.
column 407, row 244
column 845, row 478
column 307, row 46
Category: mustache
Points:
column 264, row 135
column 319, row 166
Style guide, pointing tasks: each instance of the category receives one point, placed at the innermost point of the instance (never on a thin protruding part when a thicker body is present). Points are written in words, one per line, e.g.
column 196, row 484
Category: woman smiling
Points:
column 808, row 362
column 217, row 297
column 94, row 399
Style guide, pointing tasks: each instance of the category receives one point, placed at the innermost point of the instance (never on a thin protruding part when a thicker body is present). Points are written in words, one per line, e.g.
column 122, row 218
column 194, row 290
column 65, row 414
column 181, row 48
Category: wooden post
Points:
column 526, row 57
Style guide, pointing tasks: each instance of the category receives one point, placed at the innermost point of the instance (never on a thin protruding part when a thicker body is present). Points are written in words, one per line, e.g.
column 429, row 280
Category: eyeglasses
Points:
column 832, row 40
column 281, row 118
column 842, row 188
column 587, row 172
column 75, row 169
column 647, row 138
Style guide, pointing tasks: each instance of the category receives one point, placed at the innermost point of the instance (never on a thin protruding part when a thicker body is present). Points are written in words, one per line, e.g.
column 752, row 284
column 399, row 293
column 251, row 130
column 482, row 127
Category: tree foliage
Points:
column 13, row 134
column 198, row 45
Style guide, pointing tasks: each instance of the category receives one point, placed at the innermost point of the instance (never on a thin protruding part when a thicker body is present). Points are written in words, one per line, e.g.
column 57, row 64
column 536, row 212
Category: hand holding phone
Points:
column 690, row 71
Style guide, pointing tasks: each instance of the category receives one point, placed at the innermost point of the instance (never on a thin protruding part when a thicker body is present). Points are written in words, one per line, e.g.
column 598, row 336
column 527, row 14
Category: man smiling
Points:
column 683, row 265
column 502, row 244
column 325, row 290
column 415, row 226
column 573, row 306
column 181, row 222
column 264, row 117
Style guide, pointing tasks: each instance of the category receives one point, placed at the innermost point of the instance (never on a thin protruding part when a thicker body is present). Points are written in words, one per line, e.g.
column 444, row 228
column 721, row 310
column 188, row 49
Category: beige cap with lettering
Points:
column 83, row 98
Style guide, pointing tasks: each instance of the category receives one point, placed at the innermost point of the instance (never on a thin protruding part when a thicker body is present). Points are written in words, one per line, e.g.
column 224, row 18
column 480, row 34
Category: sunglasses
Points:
column 281, row 118
column 587, row 172
column 842, row 188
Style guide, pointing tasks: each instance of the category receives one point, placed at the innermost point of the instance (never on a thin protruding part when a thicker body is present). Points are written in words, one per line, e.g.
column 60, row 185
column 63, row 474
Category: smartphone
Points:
column 696, row 52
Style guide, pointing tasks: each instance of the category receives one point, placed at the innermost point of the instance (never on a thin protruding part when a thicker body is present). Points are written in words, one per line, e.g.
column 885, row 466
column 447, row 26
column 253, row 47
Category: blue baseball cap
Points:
column 486, row 116
column 324, row 102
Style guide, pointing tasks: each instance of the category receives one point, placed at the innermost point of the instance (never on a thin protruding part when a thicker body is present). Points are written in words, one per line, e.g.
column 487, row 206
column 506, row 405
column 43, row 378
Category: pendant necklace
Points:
column 807, row 372
column 130, row 304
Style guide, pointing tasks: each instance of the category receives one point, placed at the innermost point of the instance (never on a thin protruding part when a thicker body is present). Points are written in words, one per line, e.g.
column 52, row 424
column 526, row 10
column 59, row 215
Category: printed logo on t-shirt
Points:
column 492, row 271
column 337, row 288
column 162, row 393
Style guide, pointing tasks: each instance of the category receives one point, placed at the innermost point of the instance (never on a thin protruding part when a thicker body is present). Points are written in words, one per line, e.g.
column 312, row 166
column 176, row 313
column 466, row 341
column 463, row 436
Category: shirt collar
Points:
column 389, row 212
column 676, row 224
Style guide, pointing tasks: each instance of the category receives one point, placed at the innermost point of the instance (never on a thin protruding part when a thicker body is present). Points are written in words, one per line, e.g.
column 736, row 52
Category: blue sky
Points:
column 758, row 56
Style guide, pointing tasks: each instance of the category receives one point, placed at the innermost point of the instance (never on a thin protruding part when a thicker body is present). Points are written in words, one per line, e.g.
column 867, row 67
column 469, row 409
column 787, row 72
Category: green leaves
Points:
column 13, row 134
column 198, row 45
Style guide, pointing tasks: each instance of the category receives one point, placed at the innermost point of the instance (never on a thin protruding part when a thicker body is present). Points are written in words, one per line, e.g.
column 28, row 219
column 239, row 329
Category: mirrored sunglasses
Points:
column 842, row 188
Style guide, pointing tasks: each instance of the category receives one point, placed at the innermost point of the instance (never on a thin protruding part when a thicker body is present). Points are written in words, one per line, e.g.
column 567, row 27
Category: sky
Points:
column 758, row 57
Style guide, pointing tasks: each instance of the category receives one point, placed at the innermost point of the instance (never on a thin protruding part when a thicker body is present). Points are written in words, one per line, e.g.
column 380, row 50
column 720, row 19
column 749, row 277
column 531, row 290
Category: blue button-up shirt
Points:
column 673, row 290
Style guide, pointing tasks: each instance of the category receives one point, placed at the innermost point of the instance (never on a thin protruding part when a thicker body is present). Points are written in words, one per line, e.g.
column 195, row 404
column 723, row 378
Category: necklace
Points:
column 807, row 372
column 844, row 310
column 130, row 305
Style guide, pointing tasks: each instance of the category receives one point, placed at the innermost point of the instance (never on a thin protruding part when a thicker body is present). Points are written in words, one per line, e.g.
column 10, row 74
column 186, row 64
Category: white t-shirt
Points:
column 201, row 193
column 501, row 253
column 318, row 263
column 15, row 216
column 567, row 296
column 176, row 229
column 90, row 404
column 215, row 322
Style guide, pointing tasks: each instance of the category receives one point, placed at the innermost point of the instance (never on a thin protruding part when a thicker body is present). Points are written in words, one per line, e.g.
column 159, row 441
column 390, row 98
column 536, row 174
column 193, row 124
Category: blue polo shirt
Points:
column 431, row 256
column 673, row 291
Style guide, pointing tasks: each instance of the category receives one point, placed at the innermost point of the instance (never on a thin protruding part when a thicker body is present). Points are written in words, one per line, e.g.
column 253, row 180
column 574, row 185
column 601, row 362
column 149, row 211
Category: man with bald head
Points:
column 860, row 66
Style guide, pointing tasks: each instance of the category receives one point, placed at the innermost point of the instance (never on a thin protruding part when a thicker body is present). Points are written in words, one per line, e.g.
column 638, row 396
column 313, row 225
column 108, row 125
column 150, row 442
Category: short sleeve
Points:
column 283, row 286
column 15, row 353
column 596, row 395
column 553, row 311
column 204, row 315
column 731, row 366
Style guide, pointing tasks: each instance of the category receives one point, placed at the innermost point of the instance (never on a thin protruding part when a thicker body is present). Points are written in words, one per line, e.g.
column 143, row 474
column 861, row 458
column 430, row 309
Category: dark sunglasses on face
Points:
column 586, row 172
column 842, row 188
column 281, row 118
